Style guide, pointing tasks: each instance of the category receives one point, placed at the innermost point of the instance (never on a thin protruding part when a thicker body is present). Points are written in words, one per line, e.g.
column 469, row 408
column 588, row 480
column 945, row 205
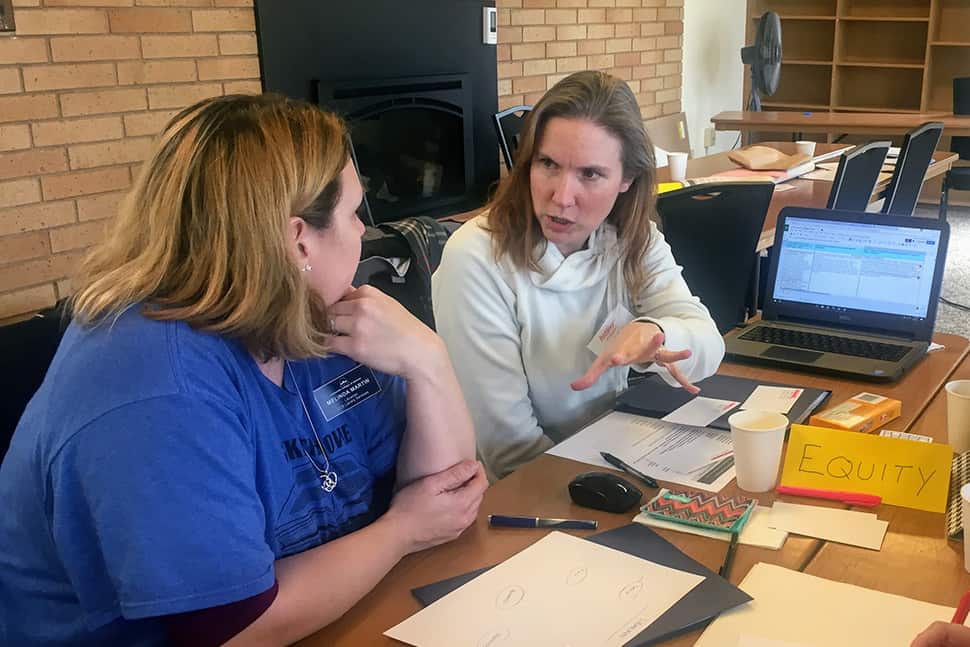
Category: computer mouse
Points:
column 604, row 491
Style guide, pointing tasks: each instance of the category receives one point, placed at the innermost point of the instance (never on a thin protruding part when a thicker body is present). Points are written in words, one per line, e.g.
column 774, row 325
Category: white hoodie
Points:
column 518, row 338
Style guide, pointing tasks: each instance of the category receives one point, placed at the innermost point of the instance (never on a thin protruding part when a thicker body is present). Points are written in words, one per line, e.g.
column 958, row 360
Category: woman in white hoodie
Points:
column 566, row 253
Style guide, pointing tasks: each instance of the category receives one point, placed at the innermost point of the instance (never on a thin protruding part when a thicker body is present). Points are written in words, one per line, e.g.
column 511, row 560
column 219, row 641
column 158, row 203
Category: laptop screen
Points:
column 855, row 270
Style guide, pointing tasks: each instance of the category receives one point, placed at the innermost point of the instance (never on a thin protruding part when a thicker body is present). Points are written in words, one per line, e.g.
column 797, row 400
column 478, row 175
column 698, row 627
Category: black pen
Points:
column 725, row 570
column 516, row 521
column 629, row 469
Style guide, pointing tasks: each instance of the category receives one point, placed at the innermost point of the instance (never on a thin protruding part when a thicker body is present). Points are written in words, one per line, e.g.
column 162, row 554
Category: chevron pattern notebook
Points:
column 705, row 510
column 959, row 476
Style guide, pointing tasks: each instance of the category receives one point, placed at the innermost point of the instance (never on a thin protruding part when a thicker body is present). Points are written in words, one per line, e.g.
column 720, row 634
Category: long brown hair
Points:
column 609, row 103
column 202, row 237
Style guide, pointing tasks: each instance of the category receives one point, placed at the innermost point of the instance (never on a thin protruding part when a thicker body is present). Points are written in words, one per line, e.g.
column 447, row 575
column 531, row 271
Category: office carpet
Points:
column 956, row 279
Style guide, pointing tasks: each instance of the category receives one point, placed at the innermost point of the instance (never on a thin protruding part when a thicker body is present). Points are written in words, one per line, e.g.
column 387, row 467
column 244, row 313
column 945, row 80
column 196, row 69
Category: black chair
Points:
column 713, row 231
column 508, row 124
column 915, row 156
column 385, row 249
column 856, row 177
column 26, row 350
column 959, row 176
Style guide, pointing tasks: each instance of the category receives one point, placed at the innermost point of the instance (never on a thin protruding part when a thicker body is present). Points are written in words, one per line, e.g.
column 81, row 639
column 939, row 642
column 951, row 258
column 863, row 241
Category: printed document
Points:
column 696, row 457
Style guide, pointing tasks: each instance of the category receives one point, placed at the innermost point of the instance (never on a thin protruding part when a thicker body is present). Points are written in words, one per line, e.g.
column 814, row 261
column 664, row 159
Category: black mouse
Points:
column 604, row 491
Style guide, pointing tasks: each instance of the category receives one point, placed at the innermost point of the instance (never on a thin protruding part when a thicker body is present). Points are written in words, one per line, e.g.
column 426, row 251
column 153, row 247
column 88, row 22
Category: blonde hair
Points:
column 202, row 237
column 609, row 103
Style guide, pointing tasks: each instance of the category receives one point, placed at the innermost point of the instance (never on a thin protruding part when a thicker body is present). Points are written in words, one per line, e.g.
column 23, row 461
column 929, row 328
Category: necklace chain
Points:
column 328, row 477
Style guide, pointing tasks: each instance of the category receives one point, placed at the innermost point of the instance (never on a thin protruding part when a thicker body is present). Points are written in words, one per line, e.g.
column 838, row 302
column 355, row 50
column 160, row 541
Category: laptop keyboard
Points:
column 826, row 343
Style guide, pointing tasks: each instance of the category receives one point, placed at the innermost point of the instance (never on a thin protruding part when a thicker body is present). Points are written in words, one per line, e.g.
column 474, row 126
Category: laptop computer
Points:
column 848, row 293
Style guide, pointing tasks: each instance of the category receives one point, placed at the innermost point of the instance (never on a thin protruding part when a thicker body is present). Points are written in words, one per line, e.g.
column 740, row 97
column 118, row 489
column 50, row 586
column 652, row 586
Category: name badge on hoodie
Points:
column 611, row 328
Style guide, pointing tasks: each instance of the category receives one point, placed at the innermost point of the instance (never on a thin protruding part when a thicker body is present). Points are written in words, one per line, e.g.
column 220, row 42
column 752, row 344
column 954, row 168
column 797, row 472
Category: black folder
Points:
column 701, row 604
column 655, row 398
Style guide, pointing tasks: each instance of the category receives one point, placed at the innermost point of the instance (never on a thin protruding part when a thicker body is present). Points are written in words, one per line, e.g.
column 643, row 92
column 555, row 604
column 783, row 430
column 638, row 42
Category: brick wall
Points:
column 640, row 41
column 84, row 87
column 86, row 84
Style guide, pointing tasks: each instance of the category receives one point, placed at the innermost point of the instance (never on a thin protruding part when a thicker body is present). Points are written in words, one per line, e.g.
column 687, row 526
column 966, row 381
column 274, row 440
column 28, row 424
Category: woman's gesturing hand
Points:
column 639, row 342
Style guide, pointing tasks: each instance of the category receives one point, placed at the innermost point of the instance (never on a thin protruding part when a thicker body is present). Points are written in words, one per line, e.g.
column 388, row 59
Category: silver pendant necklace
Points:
column 328, row 477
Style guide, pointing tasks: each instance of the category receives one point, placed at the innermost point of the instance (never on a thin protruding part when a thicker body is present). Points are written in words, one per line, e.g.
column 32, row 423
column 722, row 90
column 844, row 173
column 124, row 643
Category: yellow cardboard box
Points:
column 861, row 412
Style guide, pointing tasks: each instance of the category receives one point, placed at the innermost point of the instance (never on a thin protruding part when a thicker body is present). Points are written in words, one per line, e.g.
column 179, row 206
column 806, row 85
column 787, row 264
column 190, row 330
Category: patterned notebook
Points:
column 959, row 476
column 705, row 510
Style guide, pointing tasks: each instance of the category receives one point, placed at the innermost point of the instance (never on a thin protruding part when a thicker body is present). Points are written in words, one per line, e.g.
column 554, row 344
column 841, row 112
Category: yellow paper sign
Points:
column 902, row 472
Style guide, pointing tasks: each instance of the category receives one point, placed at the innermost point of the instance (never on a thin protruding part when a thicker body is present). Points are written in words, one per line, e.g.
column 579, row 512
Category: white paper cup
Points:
column 678, row 166
column 958, row 414
column 965, row 495
column 806, row 147
column 758, row 437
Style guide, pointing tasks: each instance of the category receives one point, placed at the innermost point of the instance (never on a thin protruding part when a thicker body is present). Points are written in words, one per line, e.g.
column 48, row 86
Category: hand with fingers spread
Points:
column 943, row 634
column 374, row 329
column 437, row 508
column 639, row 342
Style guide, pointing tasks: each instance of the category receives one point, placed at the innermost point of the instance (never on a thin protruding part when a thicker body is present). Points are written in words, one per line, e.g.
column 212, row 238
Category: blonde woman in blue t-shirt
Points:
column 231, row 444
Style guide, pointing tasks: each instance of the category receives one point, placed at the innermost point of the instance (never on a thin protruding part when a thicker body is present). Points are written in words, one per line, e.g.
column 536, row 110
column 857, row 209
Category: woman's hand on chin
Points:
column 377, row 331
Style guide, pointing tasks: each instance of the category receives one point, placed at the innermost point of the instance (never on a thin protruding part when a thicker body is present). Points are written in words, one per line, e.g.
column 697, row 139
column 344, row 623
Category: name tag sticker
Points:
column 614, row 323
column 346, row 391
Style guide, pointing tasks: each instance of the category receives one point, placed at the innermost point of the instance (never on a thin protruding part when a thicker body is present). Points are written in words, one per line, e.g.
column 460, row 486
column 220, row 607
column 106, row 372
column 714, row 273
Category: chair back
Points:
column 961, row 106
column 508, row 124
column 713, row 232
column 856, row 177
column 26, row 350
column 915, row 156
column 398, row 258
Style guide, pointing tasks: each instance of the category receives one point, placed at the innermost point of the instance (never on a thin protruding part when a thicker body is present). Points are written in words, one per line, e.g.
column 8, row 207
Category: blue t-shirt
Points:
column 158, row 471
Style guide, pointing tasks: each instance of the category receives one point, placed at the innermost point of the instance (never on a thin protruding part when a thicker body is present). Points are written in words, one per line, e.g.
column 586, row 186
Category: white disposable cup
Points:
column 758, row 437
column 806, row 147
column 958, row 414
column 678, row 166
column 965, row 496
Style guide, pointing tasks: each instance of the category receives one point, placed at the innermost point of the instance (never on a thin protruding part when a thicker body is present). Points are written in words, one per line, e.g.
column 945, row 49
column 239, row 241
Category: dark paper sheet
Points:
column 654, row 398
column 701, row 605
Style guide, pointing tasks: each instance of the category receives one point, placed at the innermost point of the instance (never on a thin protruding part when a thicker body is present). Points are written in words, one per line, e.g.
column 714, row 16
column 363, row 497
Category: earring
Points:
column 306, row 268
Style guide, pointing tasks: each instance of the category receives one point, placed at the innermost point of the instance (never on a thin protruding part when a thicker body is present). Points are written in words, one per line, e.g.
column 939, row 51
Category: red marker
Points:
column 851, row 498
column 960, row 615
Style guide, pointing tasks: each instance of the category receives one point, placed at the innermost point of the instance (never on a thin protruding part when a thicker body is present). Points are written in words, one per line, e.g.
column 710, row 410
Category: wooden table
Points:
column 916, row 559
column 540, row 488
column 860, row 123
column 806, row 193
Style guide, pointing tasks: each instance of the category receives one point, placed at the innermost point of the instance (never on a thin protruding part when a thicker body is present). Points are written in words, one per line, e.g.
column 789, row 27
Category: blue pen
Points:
column 516, row 521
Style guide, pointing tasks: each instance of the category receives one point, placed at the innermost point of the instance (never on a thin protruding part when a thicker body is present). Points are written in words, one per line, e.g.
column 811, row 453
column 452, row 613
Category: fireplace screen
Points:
column 410, row 158
column 412, row 141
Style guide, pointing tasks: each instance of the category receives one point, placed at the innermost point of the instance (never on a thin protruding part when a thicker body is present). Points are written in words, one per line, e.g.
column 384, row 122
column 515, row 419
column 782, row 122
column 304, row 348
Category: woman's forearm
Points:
column 318, row 586
column 440, row 431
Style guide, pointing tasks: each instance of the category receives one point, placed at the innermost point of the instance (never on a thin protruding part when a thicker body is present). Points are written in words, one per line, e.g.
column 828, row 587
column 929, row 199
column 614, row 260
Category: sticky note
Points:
column 700, row 411
column 913, row 475
column 772, row 398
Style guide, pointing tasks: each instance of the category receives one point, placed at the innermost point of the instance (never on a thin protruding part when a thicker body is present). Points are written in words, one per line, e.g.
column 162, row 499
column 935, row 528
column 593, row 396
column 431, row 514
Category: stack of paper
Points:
column 811, row 611
column 692, row 456
column 831, row 524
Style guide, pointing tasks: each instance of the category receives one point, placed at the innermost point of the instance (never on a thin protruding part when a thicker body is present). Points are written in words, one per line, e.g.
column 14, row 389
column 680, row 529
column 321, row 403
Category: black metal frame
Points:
column 508, row 124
